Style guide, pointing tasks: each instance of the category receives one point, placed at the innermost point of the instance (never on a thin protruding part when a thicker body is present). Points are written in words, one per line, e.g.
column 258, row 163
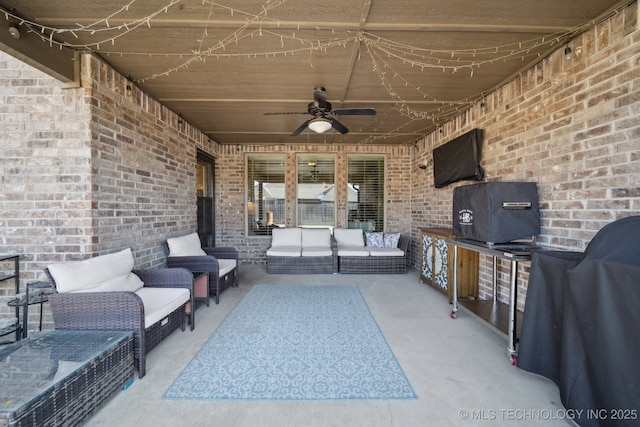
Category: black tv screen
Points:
column 458, row 159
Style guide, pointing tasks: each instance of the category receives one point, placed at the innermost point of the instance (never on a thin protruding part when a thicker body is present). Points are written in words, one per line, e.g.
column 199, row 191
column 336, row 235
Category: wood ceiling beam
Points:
column 355, row 52
column 62, row 64
column 315, row 25
column 303, row 100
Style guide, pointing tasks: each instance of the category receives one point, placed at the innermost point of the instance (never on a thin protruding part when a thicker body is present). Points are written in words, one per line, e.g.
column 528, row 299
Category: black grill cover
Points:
column 496, row 212
column 580, row 325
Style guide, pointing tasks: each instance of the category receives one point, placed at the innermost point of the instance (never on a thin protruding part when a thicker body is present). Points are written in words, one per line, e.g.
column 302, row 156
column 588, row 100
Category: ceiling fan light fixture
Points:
column 320, row 125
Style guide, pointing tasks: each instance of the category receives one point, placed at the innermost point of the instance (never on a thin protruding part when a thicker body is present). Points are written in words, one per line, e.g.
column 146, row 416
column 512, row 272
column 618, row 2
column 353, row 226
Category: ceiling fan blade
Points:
column 274, row 114
column 301, row 128
column 356, row 112
column 339, row 126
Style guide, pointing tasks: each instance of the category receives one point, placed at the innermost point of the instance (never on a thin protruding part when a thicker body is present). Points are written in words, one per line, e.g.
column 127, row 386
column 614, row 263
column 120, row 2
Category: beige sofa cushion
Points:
column 316, row 251
column 188, row 245
column 353, row 251
column 385, row 251
column 284, row 251
column 348, row 237
column 111, row 272
column 318, row 237
column 286, row 237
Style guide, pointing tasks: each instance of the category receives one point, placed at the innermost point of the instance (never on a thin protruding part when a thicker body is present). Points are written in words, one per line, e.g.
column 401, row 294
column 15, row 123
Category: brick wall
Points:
column 231, row 184
column 143, row 168
column 45, row 172
column 89, row 170
column 572, row 126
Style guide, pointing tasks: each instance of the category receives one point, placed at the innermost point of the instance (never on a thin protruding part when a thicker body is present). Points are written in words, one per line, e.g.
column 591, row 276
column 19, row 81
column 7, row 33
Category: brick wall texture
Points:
column 572, row 126
column 101, row 167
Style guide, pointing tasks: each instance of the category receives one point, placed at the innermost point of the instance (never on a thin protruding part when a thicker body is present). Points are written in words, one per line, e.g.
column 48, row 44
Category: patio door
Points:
column 205, row 179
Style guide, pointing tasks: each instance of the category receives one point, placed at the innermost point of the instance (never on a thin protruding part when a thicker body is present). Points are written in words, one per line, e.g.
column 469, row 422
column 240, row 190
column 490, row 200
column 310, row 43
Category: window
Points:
column 316, row 191
column 365, row 192
column 265, row 194
column 206, row 207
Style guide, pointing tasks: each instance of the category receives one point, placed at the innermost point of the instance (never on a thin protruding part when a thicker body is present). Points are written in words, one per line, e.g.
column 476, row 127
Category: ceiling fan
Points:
column 322, row 113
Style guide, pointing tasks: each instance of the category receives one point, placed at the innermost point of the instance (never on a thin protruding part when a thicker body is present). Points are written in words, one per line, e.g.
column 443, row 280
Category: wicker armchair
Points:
column 221, row 263
column 221, row 274
column 124, row 310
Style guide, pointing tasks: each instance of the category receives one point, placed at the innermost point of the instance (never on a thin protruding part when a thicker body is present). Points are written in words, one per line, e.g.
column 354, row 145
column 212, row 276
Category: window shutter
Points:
column 265, row 193
column 316, row 191
column 365, row 192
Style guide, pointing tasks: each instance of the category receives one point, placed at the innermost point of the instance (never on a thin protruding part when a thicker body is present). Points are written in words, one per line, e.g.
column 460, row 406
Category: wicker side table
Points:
column 56, row 378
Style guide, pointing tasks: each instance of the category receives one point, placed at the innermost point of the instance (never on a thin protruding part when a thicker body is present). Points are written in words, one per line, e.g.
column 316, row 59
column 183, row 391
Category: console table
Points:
column 504, row 319
column 62, row 377
column 436, row 267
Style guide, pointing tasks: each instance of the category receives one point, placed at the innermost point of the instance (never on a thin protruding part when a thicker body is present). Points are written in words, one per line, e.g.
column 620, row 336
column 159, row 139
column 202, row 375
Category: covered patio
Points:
column 459, row 369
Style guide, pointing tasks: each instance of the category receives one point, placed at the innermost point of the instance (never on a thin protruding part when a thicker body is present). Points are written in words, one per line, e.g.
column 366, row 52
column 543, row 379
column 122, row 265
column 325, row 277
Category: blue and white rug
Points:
column 295, row 342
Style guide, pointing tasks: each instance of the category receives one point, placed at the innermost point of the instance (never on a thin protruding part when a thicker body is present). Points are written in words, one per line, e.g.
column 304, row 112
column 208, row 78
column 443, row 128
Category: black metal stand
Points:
column 37, row 293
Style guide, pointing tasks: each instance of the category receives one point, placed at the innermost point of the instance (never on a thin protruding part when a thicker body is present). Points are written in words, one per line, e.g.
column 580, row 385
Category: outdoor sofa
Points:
column 361, row 252
column 105, row 293
column 317, row 251
column 301, row 251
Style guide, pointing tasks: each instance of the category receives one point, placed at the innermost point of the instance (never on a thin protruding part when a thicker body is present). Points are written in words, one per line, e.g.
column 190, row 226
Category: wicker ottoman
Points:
column 57, row 378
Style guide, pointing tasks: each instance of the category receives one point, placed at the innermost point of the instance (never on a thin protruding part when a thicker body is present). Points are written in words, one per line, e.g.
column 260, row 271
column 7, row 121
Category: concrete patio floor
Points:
column 458, row 368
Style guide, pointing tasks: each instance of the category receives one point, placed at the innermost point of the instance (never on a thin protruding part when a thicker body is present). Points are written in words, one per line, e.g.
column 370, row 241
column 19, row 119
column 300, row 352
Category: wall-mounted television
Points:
column 458, row 159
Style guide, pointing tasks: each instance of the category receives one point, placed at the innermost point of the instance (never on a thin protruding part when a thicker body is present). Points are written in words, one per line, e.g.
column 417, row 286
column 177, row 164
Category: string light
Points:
column 47, row 33
column 387, row 56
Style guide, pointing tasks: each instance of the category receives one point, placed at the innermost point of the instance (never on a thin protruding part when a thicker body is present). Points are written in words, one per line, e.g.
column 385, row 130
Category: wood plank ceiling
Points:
column 223, row 64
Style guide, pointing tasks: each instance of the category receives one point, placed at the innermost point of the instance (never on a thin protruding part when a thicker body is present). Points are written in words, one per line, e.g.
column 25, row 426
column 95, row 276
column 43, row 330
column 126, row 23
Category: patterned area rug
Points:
column 295, row 342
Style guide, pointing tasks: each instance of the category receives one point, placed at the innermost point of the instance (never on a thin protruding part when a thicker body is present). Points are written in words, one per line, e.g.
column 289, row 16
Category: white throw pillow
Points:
column 87, row 274
column 188, row 245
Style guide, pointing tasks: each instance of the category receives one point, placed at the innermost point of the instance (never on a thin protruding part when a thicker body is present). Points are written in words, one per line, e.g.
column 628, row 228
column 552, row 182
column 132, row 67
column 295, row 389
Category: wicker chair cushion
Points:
column 316, row 251
column 111, row 272
column 160, row 302
column 188, row 245
column 225, row 266
column 291, row 251
column 348, row 237
column 122, row 282
column 318, row 237
column 286, row 237
column 385, row 252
